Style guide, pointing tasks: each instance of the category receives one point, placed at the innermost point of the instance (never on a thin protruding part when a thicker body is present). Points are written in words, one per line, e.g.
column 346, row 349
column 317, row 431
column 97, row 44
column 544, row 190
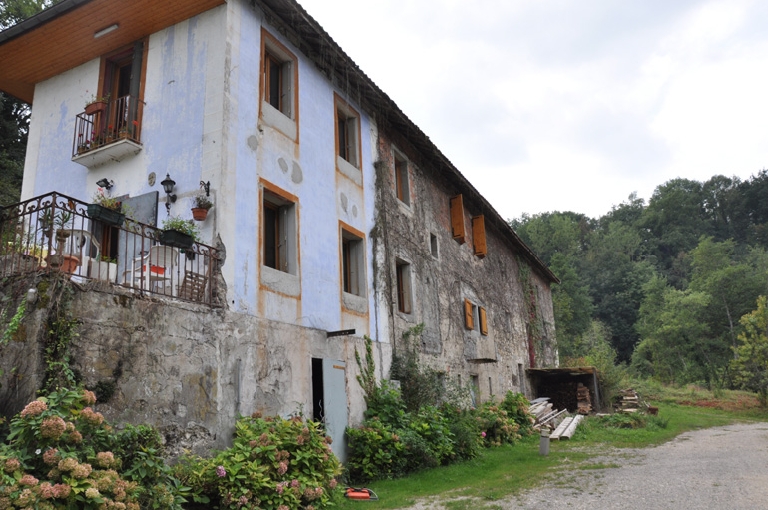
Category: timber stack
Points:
column 630, row 401
column 583, row 400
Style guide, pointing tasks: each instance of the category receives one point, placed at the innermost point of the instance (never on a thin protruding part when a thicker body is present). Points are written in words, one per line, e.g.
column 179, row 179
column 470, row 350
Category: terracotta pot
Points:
column 95, row 107
column 199, row 214
column 66, row 263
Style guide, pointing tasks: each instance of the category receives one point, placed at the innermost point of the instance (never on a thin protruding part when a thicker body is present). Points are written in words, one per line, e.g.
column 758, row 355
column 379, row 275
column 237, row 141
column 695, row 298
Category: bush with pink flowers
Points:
column 273, row 464
column 61, row 454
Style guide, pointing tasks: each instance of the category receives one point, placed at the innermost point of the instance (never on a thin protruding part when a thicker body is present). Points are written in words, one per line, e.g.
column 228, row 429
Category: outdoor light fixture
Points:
column 105, row 31
column 105, row 183
column 168, row 185
column 207, row 187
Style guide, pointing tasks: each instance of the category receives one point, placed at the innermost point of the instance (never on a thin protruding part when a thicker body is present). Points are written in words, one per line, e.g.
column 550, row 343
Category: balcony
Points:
column 57, row 233
column 111, row 132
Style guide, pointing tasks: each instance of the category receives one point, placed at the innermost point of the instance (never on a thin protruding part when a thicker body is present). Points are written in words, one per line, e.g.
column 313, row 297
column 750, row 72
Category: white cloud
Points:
column 562, row 105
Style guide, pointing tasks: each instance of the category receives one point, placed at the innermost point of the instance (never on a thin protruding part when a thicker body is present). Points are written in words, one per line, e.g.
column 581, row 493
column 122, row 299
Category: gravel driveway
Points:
column 717, row 468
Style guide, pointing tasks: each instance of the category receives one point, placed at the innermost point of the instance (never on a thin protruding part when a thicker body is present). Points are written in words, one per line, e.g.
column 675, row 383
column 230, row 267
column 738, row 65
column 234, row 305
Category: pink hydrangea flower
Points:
column 53, row 427
column 34, row 408
column 221, row 472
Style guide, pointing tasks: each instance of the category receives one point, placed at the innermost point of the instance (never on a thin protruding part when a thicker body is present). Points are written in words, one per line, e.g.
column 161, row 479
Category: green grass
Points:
column 502, row 472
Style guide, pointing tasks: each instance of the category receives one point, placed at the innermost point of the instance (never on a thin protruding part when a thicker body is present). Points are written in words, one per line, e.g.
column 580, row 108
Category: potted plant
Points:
column 179, row 233
column 106, row 209
column 201, row 207
column 106, row 269
column 96, row 104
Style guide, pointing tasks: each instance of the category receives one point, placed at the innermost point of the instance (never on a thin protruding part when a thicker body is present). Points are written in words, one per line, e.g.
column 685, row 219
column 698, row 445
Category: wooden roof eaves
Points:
column 312, row 40
column 40, row 18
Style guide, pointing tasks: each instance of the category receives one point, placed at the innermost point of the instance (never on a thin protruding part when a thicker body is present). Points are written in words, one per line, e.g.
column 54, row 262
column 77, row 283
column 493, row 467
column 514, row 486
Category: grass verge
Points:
column 505, row 471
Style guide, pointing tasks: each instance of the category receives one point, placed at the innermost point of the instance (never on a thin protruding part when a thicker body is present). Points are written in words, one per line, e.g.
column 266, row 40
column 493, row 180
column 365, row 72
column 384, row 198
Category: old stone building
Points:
column 334, row 217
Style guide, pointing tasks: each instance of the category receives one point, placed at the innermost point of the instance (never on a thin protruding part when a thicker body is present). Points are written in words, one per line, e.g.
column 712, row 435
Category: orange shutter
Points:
column 457, row 218
column 483, row 321
column 469, row 321
column 478, row 236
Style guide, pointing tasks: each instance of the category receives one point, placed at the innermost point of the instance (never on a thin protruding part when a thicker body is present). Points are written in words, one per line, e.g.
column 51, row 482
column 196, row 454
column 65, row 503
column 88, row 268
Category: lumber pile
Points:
column 566, row 428
column 629, row 402
column 583, row 400
column 544, row 413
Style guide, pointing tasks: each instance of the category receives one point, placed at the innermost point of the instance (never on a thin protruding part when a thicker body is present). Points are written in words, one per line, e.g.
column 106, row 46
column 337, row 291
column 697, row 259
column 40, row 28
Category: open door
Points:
column 329, row 395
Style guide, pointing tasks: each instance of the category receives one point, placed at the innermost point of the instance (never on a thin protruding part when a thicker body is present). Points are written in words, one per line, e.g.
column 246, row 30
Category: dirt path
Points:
column 717, row 468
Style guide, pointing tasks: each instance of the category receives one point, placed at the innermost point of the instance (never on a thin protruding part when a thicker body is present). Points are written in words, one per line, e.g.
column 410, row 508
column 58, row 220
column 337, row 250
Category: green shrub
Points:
column 273, row 464
column 516, row 406
column 428, row 439
column 376, row 451
column 497, row 427
column 467, row 438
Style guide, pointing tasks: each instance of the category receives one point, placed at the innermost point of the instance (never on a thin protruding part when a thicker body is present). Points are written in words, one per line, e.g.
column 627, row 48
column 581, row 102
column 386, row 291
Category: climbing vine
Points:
column 61, row 329
column 533, row 321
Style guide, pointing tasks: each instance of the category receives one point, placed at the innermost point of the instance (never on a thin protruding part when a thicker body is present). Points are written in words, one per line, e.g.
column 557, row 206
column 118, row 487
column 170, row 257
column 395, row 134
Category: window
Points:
column 402, row 184
column 433, row 245
column 483, row 321
column 279, row 76
column 122, row 83
column 478, row 236
column 475, row 317
column 457, row 218
column 352, row 263
column 404, row 294
column 347, row 133
column 279, row 232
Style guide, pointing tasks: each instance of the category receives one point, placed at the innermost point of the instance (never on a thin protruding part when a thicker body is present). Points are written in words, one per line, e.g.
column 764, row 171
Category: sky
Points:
column 555, row 105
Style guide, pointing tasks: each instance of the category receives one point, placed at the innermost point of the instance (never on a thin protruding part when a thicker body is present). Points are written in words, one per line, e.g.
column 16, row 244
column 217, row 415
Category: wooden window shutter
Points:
column 469, row 321
column 457, row 218
column 483, row 322
column 478, row 236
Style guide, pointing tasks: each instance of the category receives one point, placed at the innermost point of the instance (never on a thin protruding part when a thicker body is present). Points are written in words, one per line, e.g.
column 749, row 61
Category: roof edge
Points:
column 40, row 18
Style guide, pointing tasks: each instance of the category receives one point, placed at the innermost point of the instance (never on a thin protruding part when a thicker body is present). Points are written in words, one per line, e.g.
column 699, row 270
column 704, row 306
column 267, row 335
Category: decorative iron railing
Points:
column 110, row 122
column 55, row 232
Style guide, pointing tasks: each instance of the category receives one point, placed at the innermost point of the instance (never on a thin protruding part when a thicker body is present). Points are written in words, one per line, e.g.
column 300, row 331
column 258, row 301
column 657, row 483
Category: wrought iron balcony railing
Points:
column 114, row 121
column 55, row 232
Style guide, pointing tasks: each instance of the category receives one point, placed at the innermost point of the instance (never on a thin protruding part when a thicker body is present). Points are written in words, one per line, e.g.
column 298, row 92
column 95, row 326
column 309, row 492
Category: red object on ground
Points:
column 360, row 494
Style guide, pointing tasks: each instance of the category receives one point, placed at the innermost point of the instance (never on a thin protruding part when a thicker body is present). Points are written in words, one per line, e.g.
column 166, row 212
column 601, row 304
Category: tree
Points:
column 14, row 11
column 750, row 365
column 14, row 125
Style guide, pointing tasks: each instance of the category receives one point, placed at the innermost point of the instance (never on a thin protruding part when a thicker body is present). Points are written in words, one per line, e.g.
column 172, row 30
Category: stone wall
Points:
column 187, row 369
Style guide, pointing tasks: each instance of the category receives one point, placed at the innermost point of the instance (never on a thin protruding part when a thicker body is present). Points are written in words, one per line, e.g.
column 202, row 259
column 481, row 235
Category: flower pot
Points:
column 199, row 214
column 105, row 215
column 176, row 239
column 102, row 270
column 66, row 263
column 95, row 107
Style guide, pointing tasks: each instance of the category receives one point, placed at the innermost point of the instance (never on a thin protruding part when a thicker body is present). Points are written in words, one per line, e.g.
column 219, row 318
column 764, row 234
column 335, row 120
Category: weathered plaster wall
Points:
column 440, row 284
column 187, row 369
column 181, row 124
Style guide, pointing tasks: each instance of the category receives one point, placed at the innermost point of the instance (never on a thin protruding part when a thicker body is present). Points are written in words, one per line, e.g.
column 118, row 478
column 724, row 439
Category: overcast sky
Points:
column 570, row 105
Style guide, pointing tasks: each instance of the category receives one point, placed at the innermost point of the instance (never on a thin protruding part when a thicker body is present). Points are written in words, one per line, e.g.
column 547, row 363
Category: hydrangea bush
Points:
column 273, row 464
column 60, row 453
column 58, row 456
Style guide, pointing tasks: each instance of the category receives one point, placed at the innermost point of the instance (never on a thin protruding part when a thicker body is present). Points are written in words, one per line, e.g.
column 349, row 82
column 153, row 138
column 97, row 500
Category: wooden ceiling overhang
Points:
column 62, row 37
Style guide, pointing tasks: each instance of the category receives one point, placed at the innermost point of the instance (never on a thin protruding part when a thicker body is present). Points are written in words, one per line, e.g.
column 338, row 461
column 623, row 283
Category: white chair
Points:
column 155, row 269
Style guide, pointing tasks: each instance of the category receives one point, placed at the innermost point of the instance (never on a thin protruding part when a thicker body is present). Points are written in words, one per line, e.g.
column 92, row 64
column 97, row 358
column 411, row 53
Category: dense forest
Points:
column 661, row 285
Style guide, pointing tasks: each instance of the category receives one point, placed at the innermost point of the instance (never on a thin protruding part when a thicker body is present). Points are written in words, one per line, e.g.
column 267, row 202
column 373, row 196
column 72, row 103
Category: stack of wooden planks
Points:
column 629, row 401
column 566, row 428
column 583, row 401
column 545, row 414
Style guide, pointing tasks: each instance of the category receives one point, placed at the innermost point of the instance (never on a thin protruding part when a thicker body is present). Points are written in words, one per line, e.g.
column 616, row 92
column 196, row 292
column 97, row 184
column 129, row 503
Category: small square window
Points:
column 347, row 133
column 403, row 270
column 402, row 183
column 352, row 263
column 279, row 233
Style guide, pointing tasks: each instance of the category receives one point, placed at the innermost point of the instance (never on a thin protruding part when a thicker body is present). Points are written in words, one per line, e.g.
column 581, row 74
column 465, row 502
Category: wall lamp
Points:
column 105, row 31
column 207, row 187
column 105, row 183
column 168, row 185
